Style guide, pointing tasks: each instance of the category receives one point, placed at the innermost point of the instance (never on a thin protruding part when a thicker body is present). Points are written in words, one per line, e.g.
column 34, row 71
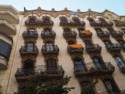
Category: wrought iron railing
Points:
column 90, row 68
column 69, row 34
column 46, row 49
column 93, row 47
column 25, row 50
column 113, row 46
column 30, row 34
column 48, row 34
column 39, row 70
column 103, row 34
column 120, row 24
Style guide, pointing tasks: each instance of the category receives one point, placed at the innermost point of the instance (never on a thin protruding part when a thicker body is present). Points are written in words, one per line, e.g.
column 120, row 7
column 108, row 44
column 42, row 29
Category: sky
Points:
column 116, row 6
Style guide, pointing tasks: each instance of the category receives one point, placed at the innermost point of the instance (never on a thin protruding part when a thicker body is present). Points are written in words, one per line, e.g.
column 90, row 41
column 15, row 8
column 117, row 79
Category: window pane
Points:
column 97, row 62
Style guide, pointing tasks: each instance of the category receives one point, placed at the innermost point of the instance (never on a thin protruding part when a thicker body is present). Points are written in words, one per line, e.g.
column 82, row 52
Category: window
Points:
column 51, row 66
column 119, row 61
column 79, row 65
column 88, row 43
column 97, row 61
column 122, row 42
column 49, row 47
column 111, row 86
column 108, row 43
column 47, row 33
column 31, row 33
column 81, row 29
column 102, row 20
column 46, row 19
column 28, row 64
column 76, row 20
column 32, row 19
column 63, row 19
column 67, row 29
column 91, row 19
column 30, row 47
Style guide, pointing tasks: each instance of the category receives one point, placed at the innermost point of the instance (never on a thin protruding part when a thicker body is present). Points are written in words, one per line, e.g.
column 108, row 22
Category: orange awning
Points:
column 87, row 32
column 75, row 46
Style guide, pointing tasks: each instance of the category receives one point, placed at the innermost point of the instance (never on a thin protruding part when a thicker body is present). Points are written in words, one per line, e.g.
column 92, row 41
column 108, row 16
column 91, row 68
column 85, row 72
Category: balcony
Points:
column 65, row 23
column 92, row 21
column 102, row 34
column 75, row 49
column 93, row 70
column 48, row 36
column 30, row 35
column 46, row 23
column 122, row 43
column 29, row 49
column 76, row 22
column 50, row 49
column 70, row 36
column 120, row 24
column 106, row 25
column 85, row 35
column 93, row 48
column 121, row 67
column 103, row 23
column 79, row 23
column 116, row 34
column 31, row 21
column 113, row 47
column 41, row 71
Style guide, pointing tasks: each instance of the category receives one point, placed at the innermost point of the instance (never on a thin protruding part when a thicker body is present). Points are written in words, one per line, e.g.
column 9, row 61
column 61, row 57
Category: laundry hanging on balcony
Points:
column 87, row 32
column 76, row 46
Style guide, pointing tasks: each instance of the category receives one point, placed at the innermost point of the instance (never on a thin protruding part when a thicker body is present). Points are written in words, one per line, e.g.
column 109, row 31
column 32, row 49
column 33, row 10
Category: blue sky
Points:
column 117, row 6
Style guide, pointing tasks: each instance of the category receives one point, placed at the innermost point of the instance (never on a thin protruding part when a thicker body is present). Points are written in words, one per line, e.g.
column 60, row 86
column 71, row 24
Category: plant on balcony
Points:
column 35, row 86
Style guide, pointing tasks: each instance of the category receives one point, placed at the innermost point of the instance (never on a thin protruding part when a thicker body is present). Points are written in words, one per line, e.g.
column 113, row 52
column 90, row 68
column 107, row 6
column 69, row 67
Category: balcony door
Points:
column 111, row 86
column 97, row 61
column 28, row 64
column 51, row 66
column 119, row 61
column 78, row 64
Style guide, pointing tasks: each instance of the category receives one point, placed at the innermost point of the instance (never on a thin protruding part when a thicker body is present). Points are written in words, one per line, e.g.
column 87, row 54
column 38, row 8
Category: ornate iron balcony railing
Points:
column 93, row 48
column 50, row 49
column 113, row 47
column 41, row 71
column 90, row 69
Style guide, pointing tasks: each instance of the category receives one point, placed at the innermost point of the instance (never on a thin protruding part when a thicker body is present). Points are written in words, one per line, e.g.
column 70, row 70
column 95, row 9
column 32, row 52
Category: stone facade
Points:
column 7, row 78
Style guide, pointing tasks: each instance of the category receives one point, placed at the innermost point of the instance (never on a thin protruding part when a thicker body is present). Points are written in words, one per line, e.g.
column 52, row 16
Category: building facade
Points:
column 87, row 46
